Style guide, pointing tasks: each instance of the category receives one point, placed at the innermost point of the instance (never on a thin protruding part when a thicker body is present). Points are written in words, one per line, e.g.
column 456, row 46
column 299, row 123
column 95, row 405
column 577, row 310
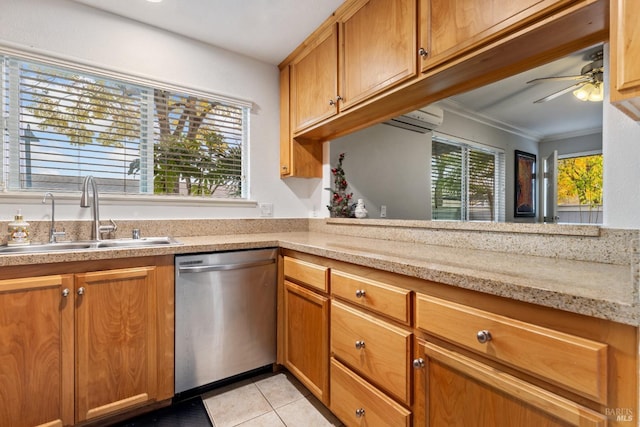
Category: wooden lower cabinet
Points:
column 115, row 340
column 36, row 351
column 306, row 338
column 435, row 355
column 85, row 345
column 455, row 390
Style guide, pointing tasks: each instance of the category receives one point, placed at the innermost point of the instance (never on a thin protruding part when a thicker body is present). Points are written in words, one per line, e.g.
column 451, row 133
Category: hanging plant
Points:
column 340, row 205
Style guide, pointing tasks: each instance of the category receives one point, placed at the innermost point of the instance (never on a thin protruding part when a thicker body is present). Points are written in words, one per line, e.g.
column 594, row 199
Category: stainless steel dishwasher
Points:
column 225, row 315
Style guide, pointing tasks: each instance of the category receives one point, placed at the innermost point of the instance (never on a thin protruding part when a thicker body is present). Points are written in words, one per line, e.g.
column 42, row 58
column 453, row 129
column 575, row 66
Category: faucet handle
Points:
column 108, row 228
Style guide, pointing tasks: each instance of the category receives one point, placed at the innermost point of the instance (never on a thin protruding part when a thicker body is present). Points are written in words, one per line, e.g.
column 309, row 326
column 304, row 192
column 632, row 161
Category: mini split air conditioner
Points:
column 422, row 120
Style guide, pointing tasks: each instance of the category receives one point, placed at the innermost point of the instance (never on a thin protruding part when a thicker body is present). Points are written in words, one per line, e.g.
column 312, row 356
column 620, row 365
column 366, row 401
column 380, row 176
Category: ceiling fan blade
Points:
column 559, row 78
column 558, row 93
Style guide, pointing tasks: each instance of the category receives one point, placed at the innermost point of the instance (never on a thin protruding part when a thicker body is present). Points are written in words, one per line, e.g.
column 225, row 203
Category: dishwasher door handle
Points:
column 224, row 267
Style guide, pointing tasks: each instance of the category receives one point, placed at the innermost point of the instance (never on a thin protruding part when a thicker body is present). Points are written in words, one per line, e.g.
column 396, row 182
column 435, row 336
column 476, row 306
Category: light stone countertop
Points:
column 594, row 289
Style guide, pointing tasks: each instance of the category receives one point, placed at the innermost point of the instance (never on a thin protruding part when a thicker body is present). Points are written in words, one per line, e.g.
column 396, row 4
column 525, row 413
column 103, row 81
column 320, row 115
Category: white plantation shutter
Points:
column 467, row 181
column 63, row 124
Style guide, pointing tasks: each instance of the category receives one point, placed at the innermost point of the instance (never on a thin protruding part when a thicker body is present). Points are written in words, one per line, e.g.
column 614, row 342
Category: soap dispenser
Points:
column 18, row 231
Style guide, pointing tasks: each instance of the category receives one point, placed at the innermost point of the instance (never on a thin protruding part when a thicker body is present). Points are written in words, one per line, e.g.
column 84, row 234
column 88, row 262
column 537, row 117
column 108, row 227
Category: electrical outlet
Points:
column 266, row 209
column 383, row 211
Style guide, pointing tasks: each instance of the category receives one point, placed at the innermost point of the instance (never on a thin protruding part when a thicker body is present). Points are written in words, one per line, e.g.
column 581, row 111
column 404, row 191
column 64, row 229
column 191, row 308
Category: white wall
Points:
column 72, row 31
column 591, row 143
column 385, row 165
column 621, row 157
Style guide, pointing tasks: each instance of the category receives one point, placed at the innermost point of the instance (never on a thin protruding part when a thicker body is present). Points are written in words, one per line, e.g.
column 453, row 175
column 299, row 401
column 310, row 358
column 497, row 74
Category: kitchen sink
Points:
column 89, row 245
column 135, row 243
column 45, row 247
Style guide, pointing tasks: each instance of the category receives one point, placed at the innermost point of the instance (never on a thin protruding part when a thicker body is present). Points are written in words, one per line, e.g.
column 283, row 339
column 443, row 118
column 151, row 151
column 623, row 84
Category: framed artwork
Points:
column 525, row 185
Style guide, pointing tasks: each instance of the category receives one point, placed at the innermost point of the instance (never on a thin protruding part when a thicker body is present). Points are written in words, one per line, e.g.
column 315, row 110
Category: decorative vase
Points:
column 361, row 211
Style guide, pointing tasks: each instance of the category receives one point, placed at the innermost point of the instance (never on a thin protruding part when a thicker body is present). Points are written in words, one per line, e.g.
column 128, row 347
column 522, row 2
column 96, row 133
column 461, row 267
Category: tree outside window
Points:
column 580, row 186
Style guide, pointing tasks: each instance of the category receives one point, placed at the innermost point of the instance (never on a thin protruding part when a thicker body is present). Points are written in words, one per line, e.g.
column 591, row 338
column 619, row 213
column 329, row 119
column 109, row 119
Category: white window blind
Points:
column 62, row 124
column 467, row 181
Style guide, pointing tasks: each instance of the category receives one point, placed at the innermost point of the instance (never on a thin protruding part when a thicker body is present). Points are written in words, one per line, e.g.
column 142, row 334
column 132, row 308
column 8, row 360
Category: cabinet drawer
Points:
column 575, row 363
column 382, row 298
column 358, row 403
column 375, row 349
column 310, row 274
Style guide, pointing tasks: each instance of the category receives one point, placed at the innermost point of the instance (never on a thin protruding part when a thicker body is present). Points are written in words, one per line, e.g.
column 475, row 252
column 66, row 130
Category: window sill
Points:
column 137, row 200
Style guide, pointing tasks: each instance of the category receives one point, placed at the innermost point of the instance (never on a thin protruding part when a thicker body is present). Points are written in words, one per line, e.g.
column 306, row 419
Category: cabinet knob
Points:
column 483, row 336
column 423, row 52
column 360, row 293
column 65, row 292
column 359, row 345
column 418, row 363
column 80, row 290
column 360, row 412
column 334, row 102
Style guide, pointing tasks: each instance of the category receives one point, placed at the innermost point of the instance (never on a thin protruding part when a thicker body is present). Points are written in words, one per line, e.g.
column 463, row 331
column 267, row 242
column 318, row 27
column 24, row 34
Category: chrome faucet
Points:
column 96, row 229
column 53, row 234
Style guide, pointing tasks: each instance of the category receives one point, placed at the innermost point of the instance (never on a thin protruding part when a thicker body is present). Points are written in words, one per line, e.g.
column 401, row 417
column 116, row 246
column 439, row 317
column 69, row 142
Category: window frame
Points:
column 135, row 198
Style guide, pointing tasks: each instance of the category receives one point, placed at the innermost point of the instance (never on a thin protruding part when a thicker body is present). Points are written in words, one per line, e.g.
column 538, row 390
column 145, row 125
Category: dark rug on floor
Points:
column 188, row 413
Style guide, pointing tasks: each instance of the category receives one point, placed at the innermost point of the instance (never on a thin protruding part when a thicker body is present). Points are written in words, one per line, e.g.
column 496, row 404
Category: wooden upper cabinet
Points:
column 378, row 47
column 451, row 28
column 625, row 56
column 314, row 81
column 36, row 351
column 116, row 333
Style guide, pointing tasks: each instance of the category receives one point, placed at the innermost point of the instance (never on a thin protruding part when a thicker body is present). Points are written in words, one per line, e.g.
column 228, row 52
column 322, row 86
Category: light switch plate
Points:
column 266, row 209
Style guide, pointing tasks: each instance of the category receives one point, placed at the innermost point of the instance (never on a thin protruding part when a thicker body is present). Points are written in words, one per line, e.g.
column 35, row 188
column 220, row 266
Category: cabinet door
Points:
column 297, row 158
column 115, row 340
column 314, row 81
column 378, row 41
column 36, row 351
column 449, row 28
column 625, row 56
column 453, row 390
column 306, row 338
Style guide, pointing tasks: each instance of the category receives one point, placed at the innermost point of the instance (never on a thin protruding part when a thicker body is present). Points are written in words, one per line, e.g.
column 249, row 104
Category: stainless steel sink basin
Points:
column 89, row 245
column 45, row 247
column 135, row 243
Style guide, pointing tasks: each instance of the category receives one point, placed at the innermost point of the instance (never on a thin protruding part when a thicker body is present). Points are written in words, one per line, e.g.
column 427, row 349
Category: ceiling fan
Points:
column 587, row 86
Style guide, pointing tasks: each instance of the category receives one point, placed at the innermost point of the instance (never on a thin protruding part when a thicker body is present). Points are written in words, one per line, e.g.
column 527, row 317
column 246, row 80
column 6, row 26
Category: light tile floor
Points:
column 271, row 400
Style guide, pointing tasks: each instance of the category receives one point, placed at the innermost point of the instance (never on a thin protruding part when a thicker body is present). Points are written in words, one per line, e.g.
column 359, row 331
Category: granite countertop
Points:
column 595, row 289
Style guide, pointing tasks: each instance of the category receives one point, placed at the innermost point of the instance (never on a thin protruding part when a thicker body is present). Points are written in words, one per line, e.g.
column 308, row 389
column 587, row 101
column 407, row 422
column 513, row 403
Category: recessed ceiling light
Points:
column 154, row 1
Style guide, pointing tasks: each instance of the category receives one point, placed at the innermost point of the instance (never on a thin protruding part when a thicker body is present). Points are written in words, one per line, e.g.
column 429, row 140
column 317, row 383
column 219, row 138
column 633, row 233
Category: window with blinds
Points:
column 467, row 181
column 63, row 124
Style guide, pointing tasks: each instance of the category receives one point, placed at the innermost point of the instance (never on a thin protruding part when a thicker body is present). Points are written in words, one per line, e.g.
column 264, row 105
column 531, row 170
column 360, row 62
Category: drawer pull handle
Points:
column 360, row 293
column 65, row 292
column 359, row 345
column 80, row 291
column 359, row 412
column 483, row 336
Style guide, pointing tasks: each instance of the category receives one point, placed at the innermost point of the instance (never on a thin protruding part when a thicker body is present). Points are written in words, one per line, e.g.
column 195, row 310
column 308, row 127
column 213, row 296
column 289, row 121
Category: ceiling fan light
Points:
column 597, row 94
column 583, row 92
